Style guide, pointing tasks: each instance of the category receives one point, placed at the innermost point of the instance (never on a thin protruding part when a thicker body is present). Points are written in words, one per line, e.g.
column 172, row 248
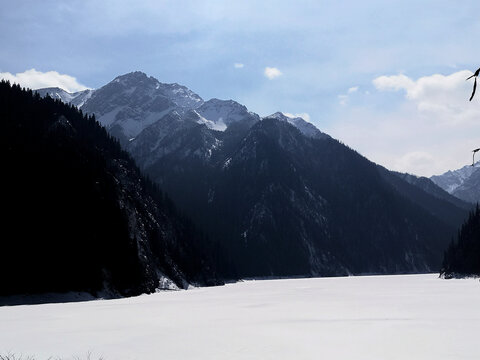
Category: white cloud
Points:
column 238, row 65
column 352, row 89
column 304, row 116
column 272, row 72
column 417, row 162
column 343, row 99
column 34, row 79
column 394, row 82
column 429, row 128
column 442, row 96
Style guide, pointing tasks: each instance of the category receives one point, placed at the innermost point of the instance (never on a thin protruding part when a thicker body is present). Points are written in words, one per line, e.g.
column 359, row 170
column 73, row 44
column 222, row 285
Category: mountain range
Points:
column 277, row 195
column 463, row 183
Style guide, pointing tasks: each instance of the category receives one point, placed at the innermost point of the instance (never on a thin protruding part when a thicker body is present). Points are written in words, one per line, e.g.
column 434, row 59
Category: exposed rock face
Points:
column 462, row 183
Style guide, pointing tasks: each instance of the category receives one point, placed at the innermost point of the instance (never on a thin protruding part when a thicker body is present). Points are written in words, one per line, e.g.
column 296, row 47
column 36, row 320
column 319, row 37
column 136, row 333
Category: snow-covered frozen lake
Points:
column 371, row 317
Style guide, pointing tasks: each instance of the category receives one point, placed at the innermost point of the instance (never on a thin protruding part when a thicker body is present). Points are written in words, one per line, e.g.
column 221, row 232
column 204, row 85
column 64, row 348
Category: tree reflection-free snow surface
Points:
column 371, row 317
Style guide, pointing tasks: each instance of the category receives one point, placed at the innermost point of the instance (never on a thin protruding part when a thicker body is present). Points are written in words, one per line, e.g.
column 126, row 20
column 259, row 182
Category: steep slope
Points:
column 462, row 183
column 80, row 217
column 287, row 204
column 431, row 188
column 77, row 98
column 219, row 114
column 462, row 258
column 423, row 192
column 469, row 190
column 305, row 127
column 302, row 205
column 131, row 102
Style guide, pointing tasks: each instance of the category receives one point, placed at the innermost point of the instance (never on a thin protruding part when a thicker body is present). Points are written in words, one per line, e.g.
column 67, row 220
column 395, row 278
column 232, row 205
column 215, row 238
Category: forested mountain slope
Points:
column 78, row 215
column 278, row 196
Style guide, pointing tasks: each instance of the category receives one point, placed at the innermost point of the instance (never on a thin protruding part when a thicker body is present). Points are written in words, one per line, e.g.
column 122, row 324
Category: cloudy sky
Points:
column 385, row 77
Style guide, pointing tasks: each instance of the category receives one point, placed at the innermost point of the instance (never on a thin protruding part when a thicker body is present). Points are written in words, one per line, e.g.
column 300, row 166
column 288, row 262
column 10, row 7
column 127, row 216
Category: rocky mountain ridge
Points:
column 463, row 183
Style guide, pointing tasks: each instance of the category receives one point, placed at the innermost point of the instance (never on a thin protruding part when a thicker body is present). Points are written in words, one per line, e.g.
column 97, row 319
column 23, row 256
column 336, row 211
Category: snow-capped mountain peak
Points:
column 180, row 95
column 132, row 78
column 77, row 98
column 278, row 116
column 219, row 114
column 463, row 183
column 305, row 127
column 132, row 102
column 218, row 124
column 140, row 83
column 452, row 179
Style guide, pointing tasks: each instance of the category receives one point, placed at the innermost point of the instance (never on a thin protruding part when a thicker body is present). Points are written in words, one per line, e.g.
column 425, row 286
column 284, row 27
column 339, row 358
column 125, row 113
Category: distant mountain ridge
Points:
column 306, row 128
column 429, row 186
column 77, row 98
column 280, row 197
column 462, row 183
column 427, row 195
column 132, row 102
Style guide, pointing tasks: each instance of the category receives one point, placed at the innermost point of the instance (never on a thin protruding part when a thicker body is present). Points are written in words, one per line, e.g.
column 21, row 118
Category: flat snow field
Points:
column 368, row 317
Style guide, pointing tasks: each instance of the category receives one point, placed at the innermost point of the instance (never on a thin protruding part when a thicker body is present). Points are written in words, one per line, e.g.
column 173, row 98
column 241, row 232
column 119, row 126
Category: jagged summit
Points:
column 132, row 102
column 305, row 127
column 179, row 94
column 278, row 115
column 463, row 183
column 76, row 98
column 132, row 76
column 219, row 114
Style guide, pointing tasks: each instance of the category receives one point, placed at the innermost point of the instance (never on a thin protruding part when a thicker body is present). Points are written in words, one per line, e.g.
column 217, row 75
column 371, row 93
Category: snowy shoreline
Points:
column 366, row 317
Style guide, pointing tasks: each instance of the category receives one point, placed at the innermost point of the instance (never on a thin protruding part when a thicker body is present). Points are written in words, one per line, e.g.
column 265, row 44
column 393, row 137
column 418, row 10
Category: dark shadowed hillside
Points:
column 78, row 215
column 462, row 258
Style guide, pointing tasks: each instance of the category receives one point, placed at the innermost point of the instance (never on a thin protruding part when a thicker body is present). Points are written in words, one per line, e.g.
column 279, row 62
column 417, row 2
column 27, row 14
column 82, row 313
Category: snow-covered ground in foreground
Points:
column 371, row 317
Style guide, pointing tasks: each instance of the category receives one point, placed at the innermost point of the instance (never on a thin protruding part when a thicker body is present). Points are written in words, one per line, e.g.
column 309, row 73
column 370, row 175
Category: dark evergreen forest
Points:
column 462, row 257
column 291, row 205
column 77, row 214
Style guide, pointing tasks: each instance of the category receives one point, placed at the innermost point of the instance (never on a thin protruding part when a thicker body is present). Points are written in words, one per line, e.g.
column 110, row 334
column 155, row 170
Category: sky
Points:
column 387, row 78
